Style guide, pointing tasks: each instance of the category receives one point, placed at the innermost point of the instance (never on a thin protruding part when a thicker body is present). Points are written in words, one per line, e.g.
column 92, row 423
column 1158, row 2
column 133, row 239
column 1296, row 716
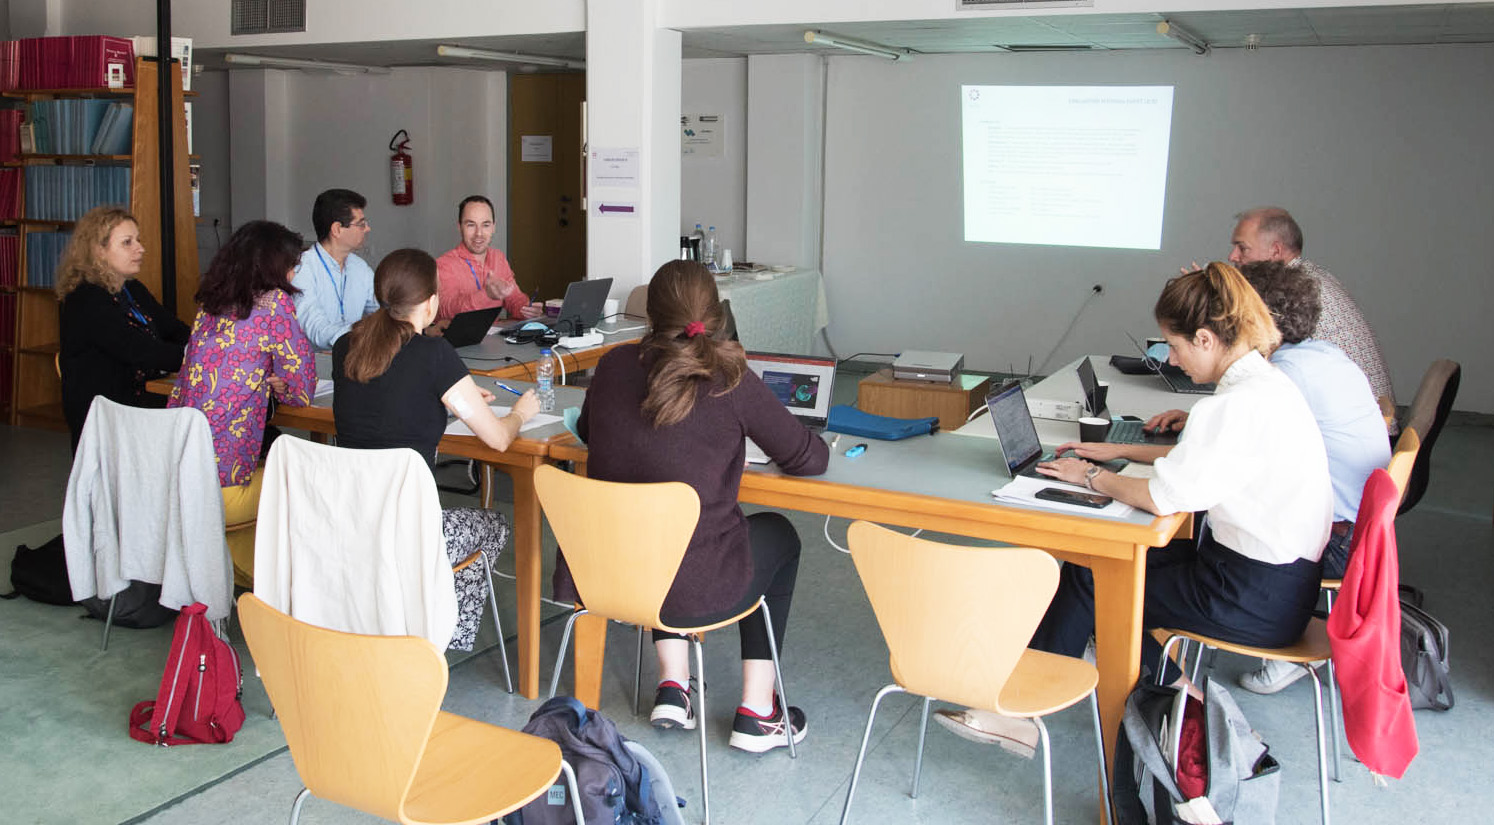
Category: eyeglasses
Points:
column 361, row 223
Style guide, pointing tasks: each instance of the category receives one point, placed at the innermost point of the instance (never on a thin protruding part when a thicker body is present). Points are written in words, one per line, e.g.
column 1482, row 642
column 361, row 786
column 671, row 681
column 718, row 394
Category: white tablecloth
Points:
column 782, row 314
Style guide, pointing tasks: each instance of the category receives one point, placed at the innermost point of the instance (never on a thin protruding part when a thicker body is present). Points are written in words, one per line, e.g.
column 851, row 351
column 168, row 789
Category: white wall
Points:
column 210, row 142
column 1380, row 152
column 713, row 190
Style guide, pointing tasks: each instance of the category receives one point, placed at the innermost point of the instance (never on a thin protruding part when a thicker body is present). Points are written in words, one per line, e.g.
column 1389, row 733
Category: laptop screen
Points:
column 1014, row 427
column 1088, row 383
column 805, row 384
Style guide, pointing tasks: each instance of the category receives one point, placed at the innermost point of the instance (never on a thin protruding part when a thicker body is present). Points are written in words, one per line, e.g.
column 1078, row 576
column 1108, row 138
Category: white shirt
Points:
column 1252, row 456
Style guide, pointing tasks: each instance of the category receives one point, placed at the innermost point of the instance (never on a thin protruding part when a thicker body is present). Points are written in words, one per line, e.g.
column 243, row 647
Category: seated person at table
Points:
column 336, row 286
column 676, row 407
column 115, row 336
column 1251, row 457
column 246, row 346
column 476, row 275
column 1348, row 416
column 392, row 387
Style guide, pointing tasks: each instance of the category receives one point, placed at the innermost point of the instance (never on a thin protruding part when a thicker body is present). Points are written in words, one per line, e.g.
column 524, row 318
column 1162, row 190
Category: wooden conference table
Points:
column 943, row 483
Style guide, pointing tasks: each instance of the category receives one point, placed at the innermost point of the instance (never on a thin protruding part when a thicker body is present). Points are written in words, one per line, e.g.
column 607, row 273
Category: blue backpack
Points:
column 619, row 781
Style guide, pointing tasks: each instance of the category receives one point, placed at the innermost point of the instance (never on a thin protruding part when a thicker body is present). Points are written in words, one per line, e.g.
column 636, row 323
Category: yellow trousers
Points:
column 240, row 508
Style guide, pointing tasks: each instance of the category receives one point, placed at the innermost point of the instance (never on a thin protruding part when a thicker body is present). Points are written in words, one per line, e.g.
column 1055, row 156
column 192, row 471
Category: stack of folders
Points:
column 77, row 62
column 81, row 127
column 10, row 134
column 10, row 260
column 10, row 194
column 43, row 251
column 7, row 317
column 65, row 193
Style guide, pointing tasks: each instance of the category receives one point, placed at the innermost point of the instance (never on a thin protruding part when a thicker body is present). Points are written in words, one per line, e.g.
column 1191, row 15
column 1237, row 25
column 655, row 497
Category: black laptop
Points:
column 1018, row 438
column 470, row 328
column 580, row 311
column 1176, row 379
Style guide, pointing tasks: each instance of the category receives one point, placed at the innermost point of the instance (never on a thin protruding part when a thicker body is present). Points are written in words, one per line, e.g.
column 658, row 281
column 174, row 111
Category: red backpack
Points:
column 198, row 702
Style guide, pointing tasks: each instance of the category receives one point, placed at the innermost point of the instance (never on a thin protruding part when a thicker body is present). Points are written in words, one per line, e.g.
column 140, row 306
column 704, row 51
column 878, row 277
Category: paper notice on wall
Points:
column 700, row 136
column 536, row 148
column 615, row 167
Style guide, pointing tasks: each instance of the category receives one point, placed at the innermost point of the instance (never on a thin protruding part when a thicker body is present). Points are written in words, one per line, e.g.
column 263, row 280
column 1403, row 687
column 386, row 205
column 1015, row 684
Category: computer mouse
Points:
column 533, row 325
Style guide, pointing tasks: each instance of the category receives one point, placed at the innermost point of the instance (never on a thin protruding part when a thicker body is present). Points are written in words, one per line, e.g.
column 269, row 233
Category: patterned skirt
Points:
column 467, row 531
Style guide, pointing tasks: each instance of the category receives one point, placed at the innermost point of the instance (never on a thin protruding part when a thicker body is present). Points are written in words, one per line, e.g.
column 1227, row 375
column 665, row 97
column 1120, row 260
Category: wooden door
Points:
column 546, row 224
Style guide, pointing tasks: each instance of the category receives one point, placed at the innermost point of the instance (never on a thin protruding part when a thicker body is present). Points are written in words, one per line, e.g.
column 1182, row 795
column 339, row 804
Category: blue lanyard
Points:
column 342, row 310
column 130, row 305
column 473, row 270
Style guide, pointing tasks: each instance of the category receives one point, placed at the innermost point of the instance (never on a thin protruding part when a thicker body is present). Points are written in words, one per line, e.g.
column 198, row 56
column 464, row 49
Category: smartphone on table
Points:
column 1078, row 497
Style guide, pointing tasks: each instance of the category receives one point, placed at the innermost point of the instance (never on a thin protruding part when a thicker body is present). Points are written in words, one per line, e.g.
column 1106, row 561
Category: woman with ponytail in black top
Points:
column 677, row 407
column 393, row 387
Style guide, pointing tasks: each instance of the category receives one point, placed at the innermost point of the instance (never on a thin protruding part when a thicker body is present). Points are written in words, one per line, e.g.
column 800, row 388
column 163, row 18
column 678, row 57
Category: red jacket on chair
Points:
column 1365, row 630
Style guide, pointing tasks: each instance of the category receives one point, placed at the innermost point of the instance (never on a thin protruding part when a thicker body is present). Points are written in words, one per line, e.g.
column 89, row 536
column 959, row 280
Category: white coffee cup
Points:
column 609, row 309
column 725, row 262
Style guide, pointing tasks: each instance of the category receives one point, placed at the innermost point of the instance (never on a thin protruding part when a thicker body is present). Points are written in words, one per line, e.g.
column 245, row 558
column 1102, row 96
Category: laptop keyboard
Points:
column 1126, row 432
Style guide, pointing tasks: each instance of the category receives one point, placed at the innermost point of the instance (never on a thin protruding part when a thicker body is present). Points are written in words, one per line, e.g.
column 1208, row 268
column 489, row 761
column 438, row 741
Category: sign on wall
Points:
column 700, row 136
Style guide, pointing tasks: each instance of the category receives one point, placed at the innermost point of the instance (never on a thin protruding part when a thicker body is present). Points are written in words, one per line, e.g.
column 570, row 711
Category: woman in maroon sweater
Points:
column 677, row 407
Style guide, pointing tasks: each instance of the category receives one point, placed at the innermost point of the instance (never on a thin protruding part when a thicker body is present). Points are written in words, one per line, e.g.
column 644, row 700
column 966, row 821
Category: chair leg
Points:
column 109, row 621
column 1333, row 704
column 1094, row 706
column 700, row 724
column 487, row 569
column 788, row 722
column 1162, row 662
column 923, row 729
column 871, row 718
column 565, row 642
column 1047, row 770
column 296, row 808
column 1317, row 704
column 638, row 673
column 575, row 789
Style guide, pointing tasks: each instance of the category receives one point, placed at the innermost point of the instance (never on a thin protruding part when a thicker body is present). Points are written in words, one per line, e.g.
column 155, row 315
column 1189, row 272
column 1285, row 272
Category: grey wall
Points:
column 711, row 189
column 1380, row 152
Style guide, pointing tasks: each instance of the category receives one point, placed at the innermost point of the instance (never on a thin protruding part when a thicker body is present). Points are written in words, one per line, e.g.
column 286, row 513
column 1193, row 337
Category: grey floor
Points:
column 835, row 661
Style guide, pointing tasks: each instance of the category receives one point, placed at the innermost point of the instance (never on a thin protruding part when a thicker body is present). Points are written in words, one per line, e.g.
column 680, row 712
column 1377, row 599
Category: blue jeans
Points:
column 1336, row 553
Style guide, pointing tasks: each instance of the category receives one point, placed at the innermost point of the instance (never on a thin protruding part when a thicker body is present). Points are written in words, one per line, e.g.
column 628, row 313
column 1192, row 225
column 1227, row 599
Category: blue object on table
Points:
column 851, row 421
column 569, row 417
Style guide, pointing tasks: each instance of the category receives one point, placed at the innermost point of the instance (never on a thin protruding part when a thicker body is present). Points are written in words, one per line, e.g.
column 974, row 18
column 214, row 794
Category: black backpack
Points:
column 615, row 785
column 40, row 574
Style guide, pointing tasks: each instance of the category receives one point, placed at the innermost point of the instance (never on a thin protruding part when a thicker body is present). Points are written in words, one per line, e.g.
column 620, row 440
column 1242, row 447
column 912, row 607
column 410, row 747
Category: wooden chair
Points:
column 957, row 621
column 623, row 544
column 362, row 716
column 1427, row 413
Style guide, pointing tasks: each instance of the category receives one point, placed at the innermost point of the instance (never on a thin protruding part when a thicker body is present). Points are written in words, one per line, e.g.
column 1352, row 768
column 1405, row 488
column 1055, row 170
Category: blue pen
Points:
column 503, row 386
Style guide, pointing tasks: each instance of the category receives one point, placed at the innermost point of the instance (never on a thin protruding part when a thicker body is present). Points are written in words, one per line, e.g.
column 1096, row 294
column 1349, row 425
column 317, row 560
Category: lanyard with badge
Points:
column 321, row 256
column 473, row 270
column 129, row 300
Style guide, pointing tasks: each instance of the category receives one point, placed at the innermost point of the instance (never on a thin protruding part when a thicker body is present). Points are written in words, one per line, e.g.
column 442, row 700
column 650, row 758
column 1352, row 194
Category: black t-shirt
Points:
column 402, row 407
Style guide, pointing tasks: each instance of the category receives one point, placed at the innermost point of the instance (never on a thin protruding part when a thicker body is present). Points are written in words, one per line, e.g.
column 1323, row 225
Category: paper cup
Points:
column 610, row 309
column 1093, row 429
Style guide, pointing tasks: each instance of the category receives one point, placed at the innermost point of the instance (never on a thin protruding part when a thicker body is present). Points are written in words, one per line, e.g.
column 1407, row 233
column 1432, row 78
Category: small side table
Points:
column 881, row 394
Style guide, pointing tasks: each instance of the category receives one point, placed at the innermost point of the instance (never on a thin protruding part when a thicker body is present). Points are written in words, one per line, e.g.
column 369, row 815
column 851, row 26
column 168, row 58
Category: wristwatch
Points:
column 1089, row 476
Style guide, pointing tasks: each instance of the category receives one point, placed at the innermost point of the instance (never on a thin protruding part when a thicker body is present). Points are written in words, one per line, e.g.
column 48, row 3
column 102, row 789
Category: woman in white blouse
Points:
column 1251, row 457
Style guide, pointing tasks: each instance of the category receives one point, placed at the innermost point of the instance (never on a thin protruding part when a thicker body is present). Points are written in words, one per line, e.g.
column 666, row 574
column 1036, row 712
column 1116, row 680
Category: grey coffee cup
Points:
column 1093, row 429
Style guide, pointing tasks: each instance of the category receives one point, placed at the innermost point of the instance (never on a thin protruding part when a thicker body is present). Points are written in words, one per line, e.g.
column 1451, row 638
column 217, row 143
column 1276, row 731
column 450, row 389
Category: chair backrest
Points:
column 637, row 304
column 1427, row 414
column 623, row 543
column 357, row 711
column 351, row 540
column 1403, row 459
column 728, row 322
column 956, row 619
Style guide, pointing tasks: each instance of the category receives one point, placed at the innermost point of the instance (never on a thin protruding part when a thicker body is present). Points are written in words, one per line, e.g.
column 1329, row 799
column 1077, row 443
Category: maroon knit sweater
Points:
column 706, row 451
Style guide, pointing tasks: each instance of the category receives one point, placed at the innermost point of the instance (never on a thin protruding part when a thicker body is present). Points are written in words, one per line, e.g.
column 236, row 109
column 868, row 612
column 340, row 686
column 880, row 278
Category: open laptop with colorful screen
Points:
column 805, row 384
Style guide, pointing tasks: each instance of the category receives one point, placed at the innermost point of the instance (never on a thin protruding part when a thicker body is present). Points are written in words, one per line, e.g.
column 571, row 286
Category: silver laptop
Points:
column 580, row 311
column 805, row 385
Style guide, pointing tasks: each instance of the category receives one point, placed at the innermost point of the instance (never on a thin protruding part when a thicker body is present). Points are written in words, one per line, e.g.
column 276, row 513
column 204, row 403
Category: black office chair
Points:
column 1427, row 413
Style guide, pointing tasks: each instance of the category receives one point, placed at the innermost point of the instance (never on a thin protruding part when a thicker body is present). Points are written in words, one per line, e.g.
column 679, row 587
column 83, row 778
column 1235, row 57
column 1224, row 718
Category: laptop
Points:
column 468, row 328
column 804, row 384
column 1122, row 431
column 580, row 311
column 1174, row 376
column 1017, row 435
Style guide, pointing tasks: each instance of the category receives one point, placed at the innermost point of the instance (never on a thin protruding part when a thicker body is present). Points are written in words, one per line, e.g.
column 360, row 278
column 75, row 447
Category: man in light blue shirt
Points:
column 337, row 286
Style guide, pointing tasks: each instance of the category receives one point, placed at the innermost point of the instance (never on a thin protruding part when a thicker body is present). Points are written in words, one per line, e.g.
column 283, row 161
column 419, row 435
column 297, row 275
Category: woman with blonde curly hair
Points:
column 676, row 407
column 115, row 335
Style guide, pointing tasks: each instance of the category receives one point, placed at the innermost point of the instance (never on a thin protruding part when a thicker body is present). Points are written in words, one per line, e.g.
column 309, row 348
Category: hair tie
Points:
column 693, row 329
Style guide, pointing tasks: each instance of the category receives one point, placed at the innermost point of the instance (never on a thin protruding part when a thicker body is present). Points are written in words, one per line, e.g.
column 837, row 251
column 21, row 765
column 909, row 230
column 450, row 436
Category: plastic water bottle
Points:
column 708, row 251
column 697, row 239
column 544, row 373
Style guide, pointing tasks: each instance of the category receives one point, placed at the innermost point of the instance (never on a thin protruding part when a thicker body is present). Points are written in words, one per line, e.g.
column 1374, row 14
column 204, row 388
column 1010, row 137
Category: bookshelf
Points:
column 36, row 396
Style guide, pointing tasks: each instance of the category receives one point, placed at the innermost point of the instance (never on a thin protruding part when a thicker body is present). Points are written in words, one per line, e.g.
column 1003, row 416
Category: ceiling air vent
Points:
column 268, row 16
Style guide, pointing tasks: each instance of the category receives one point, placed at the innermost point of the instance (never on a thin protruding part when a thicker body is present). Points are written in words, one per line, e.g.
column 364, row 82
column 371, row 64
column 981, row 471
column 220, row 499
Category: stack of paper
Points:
column 458, row 428
column 1023, row 490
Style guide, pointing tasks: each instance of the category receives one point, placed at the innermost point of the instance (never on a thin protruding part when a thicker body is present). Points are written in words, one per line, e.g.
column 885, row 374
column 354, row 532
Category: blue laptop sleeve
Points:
column 851, row 421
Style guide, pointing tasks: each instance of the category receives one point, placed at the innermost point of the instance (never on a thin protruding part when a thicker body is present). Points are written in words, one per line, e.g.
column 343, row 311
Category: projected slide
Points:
column 1066, row 165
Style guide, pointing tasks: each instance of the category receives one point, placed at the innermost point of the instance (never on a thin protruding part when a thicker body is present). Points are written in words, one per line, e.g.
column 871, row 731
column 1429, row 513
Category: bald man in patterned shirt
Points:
column 1269, row 233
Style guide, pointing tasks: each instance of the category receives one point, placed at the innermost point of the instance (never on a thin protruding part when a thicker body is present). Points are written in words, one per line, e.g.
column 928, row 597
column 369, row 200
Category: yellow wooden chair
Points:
column 362, row 716
column 623, row 544
column 957, row 621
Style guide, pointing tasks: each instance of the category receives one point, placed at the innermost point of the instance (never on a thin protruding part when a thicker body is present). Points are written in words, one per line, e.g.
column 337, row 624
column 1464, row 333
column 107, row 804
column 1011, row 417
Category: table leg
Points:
column 1119, row 585
column 528, row 569
column 590, row 641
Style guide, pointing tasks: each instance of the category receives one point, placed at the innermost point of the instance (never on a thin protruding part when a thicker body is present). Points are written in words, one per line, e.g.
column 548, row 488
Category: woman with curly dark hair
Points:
column 245, row 347
column 676, row 407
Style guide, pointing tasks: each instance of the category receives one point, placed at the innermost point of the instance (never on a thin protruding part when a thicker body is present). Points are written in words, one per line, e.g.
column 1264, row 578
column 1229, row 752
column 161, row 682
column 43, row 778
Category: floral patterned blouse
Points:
column 224, row 371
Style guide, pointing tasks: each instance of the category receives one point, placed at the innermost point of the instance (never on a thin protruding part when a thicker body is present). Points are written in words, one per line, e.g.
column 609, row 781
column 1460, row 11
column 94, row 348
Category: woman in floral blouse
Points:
column 246, row 345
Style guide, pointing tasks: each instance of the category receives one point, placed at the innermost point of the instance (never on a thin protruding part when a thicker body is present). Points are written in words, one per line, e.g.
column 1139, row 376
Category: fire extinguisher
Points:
column 401, row 170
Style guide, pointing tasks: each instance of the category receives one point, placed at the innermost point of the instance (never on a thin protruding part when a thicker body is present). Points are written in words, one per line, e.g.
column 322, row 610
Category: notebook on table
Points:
column 804, row 384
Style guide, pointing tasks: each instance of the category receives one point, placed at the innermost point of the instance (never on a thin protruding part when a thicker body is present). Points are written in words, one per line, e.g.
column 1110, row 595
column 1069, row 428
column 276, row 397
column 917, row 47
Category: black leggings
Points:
column 775, row 568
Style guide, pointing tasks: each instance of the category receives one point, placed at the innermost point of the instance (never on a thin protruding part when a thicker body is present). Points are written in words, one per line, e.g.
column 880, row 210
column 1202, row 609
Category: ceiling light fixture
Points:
column 1182, row 35
column 267, row 62
column 508, row 57
column 852, row 44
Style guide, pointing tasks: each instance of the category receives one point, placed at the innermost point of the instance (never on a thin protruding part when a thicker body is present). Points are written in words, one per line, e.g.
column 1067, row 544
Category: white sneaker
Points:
column 1272, row 676
column 1020, row 736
